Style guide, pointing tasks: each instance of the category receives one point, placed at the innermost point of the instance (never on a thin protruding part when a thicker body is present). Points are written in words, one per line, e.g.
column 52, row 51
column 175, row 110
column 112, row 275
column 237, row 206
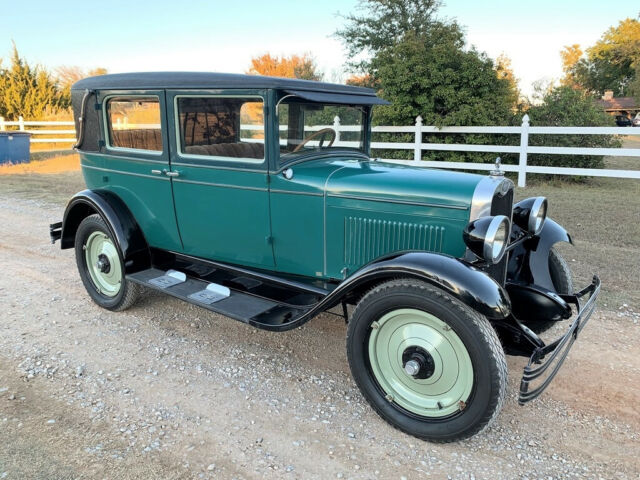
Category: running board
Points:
column 257, row 302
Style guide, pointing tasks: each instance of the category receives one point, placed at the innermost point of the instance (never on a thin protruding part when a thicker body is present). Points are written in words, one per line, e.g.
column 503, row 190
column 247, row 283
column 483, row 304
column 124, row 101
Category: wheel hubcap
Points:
column 420, row 363
column 103, row 264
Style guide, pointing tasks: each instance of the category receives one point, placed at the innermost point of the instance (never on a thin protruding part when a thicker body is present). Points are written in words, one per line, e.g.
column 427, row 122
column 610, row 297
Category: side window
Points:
column 134, row 122
column 227, row 127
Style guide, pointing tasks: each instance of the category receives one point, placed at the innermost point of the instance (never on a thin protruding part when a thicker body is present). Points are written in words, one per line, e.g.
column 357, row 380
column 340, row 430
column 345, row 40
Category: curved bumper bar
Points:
column 556, row 352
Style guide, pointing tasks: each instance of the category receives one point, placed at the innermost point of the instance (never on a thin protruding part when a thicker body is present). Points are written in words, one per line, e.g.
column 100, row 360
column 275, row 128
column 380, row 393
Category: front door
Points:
column 219, row 176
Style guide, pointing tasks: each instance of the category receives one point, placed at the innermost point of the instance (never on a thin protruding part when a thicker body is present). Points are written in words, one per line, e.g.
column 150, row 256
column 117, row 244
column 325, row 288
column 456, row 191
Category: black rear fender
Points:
column 124, row 228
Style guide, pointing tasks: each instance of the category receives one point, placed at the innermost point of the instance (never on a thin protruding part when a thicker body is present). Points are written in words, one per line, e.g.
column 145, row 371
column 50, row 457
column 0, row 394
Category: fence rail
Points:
column 22, row 125
column 418, row 146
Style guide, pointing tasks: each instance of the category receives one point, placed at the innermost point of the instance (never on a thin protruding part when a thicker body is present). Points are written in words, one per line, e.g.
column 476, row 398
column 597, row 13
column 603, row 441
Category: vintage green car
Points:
column 241, row 194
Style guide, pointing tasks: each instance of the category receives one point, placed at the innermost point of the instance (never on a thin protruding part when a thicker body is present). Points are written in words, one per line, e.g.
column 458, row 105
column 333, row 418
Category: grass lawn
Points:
column 601, row 214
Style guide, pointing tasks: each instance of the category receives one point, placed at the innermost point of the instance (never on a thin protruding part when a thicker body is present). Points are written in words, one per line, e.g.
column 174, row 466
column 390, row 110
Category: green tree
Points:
column 434, row 76
column 612, row 62
column 383, row 23
column 565, row 106
column 423, row 67
column 27, row 91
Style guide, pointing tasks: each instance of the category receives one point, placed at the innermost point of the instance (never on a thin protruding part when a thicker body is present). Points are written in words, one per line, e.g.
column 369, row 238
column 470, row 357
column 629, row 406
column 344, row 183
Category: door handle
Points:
column 156, row 172
column 172, row 174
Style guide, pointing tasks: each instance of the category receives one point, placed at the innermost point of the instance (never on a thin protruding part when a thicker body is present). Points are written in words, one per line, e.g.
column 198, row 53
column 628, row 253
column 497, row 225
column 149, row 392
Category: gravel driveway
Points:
column 168, row 390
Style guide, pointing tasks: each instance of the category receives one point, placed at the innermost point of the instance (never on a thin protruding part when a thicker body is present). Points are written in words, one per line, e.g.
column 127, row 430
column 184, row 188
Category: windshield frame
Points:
column 286, row 159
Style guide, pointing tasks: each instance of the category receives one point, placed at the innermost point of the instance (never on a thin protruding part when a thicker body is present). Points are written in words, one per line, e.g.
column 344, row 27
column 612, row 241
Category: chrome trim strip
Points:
column 324, row 219
column 222, row 185
column 213, row 158
column 342, row 153
column 217, row 167
column 106, row 122
column 155, row 177
column 125, row 158
column 310, row 194
column 220, row 158
column 401, row 202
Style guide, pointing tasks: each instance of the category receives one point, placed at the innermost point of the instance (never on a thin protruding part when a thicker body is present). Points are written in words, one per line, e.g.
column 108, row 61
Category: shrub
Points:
column 565, row 106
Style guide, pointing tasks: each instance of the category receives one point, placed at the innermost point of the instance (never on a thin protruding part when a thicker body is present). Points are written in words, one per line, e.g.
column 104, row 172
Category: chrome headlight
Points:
column 488, row 237
column 530, row 214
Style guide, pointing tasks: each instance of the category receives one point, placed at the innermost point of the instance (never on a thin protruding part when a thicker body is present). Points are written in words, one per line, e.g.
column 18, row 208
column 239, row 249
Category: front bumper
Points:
column 546, row 361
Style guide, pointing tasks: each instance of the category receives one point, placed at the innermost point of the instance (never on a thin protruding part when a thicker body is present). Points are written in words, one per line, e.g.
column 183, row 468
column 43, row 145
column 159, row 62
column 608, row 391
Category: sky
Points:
column 223, row 35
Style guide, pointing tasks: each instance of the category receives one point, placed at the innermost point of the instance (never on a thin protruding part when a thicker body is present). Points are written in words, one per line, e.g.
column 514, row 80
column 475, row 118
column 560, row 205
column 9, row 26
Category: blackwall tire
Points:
column 101, row 267
column 468, row 360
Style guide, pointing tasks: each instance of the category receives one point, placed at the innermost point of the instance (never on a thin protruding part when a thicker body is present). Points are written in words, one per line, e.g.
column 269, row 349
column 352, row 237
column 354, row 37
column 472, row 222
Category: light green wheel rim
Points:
column 447, row 390
column 99, row 248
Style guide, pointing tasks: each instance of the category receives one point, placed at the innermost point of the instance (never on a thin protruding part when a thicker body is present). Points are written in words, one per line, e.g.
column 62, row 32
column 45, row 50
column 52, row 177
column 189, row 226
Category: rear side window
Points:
column 134, row 123
column 221, row 127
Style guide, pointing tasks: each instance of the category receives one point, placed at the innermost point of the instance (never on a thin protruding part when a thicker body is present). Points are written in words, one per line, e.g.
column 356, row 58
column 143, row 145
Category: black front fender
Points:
column 468, row 284
column 124, row 228
column 529, row 261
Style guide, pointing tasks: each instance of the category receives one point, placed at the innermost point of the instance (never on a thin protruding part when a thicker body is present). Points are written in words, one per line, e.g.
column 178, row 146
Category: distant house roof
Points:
column 618, row 103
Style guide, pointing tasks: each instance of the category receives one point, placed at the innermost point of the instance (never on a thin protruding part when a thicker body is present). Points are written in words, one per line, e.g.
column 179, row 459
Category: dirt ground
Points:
column 168, row 390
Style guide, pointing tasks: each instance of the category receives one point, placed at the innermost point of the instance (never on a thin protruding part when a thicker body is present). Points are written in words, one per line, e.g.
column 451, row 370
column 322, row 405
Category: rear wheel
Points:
column 563, row 284
column 428, row 364
column 100, row 266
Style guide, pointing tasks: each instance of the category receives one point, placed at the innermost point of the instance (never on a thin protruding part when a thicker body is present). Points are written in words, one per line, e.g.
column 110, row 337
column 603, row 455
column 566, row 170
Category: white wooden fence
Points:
column 418, row 146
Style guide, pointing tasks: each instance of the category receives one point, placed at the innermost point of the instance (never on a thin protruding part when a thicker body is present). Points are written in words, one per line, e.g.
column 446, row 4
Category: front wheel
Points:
column 428, row 364
column 101, row 267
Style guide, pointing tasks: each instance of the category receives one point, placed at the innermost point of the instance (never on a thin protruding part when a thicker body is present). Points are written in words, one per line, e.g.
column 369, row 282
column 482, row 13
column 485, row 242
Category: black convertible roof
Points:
column 206, row 80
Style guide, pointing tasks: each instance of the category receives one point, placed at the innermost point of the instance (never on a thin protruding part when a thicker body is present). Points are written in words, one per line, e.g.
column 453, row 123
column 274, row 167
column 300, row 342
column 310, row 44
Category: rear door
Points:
column 133, row 160
column 219, row 175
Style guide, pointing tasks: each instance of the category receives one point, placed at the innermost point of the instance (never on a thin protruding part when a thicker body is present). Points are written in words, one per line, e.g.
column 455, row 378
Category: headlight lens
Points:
column 488, row 237
column 530, row 214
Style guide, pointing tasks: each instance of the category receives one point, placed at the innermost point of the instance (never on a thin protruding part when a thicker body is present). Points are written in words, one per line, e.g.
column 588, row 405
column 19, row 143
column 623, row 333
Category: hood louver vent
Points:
column 367, row 239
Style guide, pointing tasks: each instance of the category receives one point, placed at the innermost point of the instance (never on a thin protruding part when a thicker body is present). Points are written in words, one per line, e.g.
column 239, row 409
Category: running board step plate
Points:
column 238, row 305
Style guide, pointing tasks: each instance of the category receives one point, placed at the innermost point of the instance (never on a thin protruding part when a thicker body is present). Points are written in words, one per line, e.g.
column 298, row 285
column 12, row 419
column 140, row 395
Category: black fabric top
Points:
column 329, row 97
column 205, row 80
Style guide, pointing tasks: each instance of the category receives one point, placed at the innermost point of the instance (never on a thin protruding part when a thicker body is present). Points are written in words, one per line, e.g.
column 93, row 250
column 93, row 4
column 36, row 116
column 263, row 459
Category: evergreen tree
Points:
column 26, row 91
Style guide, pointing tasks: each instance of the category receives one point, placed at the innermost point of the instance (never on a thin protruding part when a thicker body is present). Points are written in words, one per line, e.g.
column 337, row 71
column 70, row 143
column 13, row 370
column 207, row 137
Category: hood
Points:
column 402, row 183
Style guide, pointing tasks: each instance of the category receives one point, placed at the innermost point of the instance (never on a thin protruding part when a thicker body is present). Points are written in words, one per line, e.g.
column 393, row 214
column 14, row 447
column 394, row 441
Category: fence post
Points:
column 524, row 144
column 417, row 149
column 3, row 127
column 21, row 123
column 336, row 128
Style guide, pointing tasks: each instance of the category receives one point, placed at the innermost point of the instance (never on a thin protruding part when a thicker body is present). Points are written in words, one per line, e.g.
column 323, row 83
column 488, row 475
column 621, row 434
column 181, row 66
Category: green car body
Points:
column 257, row 198
column 338, row 212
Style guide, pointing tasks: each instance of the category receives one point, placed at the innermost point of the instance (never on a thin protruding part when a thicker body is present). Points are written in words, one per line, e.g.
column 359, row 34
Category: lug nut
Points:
column 412, row 367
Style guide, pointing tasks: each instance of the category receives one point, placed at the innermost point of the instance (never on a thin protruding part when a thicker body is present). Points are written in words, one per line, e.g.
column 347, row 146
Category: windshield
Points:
column 306, row 127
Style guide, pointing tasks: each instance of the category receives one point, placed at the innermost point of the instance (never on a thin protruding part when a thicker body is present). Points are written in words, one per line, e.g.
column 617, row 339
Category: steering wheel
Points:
column 320, row 133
